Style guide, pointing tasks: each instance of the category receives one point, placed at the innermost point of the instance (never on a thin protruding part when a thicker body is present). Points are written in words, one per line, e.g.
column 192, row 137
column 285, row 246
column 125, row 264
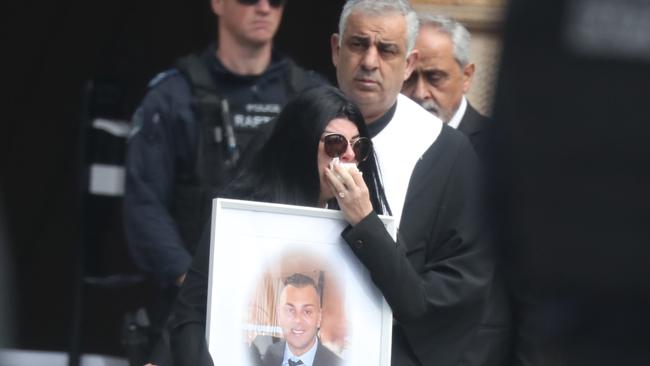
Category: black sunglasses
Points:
column 273, row 3
column 336, row 145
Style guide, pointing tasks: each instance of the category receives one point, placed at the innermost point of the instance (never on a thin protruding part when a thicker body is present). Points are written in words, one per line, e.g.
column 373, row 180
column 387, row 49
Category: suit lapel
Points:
column 419, row 177
column 472, row 121
column 416, row 183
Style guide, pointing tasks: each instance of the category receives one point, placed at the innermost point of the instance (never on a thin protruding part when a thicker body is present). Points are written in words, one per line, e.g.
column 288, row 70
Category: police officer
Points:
column 191, row 130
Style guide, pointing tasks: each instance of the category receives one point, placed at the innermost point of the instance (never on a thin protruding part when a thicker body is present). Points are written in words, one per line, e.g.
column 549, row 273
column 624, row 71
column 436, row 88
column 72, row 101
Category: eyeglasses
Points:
column 336, row 145
column 273, row 3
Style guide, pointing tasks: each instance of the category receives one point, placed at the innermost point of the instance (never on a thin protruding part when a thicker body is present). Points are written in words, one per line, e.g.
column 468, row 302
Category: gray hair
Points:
column 381, row 7
column 459, row 35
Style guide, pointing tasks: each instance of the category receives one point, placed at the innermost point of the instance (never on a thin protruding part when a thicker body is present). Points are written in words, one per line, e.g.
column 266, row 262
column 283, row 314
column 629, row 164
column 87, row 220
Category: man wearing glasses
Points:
column 190, row 131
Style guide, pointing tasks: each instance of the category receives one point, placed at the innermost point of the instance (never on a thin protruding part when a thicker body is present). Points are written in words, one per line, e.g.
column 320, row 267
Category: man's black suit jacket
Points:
column 477, row 128
column 439, row 277
column 324, row 357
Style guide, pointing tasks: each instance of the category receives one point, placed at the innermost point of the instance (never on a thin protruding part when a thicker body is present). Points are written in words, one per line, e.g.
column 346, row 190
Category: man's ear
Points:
column 334, row 44
column 411, row 60
column 320, row 318
column 468, row 73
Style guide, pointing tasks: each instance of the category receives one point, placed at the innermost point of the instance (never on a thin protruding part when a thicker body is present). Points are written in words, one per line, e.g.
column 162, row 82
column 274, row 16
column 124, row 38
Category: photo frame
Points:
column 256, row 250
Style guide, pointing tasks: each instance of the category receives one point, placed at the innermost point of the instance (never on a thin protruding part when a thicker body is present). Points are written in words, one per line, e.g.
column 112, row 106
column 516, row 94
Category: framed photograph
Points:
column 284, row 285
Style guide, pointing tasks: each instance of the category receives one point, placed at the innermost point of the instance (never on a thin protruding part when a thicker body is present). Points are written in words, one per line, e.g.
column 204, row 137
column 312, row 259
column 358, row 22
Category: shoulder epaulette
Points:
column 162, row 76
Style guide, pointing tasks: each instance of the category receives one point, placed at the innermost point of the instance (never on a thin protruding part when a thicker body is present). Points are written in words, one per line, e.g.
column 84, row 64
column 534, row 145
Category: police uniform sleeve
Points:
column 151, row 232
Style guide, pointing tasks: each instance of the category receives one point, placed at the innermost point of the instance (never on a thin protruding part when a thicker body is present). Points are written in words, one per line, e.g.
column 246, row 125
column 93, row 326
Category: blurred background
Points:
column 565, row 81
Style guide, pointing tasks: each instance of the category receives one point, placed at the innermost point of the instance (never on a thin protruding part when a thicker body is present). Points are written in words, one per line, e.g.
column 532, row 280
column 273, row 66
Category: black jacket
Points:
column 478, row 129
column 439, row 277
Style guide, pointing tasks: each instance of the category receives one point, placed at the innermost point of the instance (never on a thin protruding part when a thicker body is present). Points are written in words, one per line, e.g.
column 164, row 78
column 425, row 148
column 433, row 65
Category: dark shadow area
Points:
column 573, row 178
column 6, row 283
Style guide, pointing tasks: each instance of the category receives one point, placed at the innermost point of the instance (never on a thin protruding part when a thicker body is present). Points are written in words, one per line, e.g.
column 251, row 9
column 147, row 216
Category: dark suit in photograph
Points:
column 324, row 357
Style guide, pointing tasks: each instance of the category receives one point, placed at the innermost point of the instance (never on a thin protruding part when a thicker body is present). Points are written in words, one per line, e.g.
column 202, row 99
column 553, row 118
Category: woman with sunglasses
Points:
column 306, row 161
column 317, row 127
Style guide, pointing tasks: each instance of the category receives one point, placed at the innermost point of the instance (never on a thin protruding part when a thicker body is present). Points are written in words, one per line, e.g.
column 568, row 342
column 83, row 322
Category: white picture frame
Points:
column 252, row 243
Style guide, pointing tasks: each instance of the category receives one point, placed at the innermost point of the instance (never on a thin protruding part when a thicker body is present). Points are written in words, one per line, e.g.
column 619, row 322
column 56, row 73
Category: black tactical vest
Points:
column 218, row 154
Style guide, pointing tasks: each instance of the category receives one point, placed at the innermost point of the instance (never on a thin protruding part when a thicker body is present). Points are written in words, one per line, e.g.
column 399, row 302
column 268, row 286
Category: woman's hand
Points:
column 350, row 191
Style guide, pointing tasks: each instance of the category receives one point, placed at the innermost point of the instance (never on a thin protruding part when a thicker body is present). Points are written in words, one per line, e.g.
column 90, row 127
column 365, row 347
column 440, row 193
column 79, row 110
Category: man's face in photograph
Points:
column 299, row 315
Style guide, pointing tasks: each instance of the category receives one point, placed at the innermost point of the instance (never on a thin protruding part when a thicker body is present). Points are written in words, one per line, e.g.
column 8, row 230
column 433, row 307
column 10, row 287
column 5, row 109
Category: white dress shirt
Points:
column 400, row 145
column 307, row 358
column 458, row 116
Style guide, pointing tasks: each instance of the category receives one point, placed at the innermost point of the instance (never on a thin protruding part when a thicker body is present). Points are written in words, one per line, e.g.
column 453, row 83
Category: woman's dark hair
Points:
column 285, row 170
